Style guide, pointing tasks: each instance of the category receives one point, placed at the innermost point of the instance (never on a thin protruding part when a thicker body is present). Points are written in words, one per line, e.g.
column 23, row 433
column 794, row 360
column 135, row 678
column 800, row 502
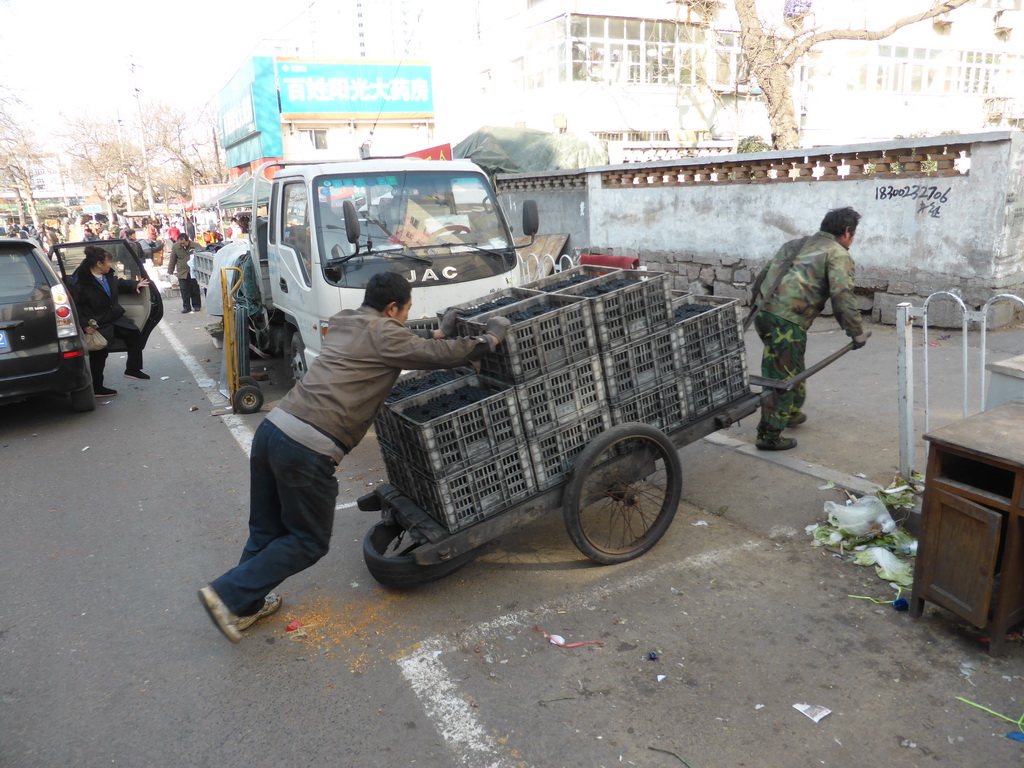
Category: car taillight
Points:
column 66, row 326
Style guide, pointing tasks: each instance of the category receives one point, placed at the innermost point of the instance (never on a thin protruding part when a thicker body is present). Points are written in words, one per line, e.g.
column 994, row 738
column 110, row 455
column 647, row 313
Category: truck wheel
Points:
column 386, row 550
column 297, row 356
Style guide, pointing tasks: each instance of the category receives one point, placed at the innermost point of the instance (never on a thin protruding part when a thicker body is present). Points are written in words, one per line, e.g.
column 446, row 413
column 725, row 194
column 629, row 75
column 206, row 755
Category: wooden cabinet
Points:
column 970, row 557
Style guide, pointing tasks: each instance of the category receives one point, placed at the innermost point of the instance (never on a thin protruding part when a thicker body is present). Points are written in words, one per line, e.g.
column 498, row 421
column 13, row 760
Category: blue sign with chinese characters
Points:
column 352, row 89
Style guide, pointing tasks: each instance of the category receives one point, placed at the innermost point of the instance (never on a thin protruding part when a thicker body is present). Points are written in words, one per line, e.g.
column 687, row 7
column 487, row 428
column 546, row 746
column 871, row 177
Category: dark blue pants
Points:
column 293, row 492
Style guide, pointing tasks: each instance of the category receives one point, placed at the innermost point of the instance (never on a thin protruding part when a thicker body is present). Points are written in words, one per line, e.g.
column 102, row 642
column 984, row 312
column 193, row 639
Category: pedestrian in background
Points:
column 296, row 449
column 178, row 264
column 803, row 275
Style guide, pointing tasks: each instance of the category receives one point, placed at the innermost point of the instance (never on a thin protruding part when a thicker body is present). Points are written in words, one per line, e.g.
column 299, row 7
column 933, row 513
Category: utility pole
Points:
column 145, row 154
column 124, row 170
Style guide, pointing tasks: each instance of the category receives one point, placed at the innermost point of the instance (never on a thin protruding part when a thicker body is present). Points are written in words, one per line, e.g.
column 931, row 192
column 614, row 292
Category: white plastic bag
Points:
column 866, row 515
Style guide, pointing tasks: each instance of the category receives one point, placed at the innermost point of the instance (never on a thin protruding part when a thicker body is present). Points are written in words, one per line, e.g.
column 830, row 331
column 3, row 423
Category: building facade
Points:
column 673, row 74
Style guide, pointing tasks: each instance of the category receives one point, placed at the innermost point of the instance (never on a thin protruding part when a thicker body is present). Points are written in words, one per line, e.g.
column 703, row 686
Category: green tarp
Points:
column 522, row 150
column 239, row 194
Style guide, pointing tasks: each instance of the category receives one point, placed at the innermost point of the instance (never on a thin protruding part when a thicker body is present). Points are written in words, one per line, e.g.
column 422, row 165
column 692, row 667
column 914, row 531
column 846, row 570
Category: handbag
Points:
column 95, row 341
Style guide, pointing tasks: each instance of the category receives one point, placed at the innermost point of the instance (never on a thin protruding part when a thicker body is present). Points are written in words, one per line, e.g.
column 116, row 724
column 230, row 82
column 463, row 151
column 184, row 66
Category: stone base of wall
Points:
column 878, row 293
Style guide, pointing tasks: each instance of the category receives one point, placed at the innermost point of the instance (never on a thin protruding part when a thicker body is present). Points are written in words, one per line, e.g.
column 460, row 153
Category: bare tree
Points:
column 20, row 157
column 772, row 54
column 100, row 159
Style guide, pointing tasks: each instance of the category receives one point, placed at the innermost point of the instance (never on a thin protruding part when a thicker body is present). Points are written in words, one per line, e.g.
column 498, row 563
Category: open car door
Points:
column 146, row 307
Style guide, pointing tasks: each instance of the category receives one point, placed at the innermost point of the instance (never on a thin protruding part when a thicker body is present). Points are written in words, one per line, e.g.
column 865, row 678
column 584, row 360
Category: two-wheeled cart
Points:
column 617, row 479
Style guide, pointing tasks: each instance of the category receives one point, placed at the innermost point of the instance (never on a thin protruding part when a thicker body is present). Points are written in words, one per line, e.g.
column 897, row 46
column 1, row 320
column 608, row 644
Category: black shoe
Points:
column 196, row 309
column 185, row 311
column 137, row 375
column 103, row 392
column 775, row 443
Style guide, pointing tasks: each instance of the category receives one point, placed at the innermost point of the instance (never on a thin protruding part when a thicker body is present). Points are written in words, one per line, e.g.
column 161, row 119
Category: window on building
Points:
column 315, row 138
column 633, row 51
column 901, row 69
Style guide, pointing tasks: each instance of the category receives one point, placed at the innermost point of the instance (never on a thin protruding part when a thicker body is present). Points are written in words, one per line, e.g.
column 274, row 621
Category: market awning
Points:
column 239, row 193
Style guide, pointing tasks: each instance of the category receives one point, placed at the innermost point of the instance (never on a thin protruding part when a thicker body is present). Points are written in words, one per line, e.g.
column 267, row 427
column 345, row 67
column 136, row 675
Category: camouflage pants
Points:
column 784, row 346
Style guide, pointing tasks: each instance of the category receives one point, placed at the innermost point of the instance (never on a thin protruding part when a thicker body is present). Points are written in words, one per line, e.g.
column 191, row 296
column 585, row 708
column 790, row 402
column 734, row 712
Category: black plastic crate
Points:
column 562, row 397
column 567, row 278
column 664, row 406
column 454, row 439
column 415, row 382
column 554, row 452
column 706, row 326
column 470, row 495
column 490, row 302
column 424, row 324
column 640, row 365
column 717, row 383
column 627, row 304
column 547, row 333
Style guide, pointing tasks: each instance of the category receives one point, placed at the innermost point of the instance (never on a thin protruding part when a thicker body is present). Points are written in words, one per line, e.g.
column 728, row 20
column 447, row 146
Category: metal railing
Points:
column 905, row 316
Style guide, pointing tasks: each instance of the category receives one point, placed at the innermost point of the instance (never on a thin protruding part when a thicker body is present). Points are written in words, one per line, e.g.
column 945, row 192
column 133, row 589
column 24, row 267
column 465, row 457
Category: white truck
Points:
column 330, row 226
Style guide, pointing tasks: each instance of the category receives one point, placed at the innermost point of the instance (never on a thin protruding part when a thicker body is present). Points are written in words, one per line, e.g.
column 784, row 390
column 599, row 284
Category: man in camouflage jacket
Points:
column 814, row 269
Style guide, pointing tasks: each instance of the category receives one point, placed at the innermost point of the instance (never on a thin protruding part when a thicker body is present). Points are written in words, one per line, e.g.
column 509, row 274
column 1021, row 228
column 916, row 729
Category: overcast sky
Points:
column 61, row 56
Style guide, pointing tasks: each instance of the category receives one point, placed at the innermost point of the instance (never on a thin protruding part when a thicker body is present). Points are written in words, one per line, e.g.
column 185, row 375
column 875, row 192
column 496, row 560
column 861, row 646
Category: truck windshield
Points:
column 431, row 226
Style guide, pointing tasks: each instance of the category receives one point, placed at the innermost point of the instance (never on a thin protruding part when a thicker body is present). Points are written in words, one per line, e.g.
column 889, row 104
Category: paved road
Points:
column 112, row 520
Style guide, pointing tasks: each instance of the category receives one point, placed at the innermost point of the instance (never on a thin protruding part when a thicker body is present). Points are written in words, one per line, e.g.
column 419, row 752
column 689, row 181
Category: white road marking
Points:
column 454, row 718
column 239, row 429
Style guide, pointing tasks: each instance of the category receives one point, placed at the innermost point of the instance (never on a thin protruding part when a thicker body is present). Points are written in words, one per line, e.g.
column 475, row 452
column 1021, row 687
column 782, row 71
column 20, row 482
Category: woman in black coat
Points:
column 95, row 288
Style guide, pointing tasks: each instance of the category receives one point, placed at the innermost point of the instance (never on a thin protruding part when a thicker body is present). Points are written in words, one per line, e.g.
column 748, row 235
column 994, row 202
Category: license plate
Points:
column 4, row 345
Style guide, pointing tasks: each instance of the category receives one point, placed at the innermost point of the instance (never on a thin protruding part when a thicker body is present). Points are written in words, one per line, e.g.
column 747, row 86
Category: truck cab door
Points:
column 293, row 267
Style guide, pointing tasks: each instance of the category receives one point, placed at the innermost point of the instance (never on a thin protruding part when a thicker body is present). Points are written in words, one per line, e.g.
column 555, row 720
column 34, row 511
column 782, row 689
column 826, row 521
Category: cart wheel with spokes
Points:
column 623, row 493
column 387, row 551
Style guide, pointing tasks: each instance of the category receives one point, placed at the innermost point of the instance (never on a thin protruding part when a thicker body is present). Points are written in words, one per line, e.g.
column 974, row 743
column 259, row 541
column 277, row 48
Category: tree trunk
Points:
column 763, row 52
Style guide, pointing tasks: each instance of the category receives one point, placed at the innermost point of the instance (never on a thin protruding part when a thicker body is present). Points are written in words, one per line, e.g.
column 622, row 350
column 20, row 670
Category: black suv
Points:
column 42, row 347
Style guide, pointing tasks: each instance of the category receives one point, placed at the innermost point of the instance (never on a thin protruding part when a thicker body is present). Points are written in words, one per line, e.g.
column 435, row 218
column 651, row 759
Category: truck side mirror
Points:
column 351, row 221
column 531, row 221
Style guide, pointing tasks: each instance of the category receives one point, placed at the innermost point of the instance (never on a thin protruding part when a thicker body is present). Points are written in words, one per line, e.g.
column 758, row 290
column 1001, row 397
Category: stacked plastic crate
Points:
column 636, row 346
column 708, row 335
column 453, row 442
column 549, row 356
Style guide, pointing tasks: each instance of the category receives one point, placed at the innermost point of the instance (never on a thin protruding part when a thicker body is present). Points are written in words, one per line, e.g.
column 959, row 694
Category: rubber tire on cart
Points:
column 386, row 550
column 296, row 356
column 247, row 399
column 247, row 381
column 615, row 514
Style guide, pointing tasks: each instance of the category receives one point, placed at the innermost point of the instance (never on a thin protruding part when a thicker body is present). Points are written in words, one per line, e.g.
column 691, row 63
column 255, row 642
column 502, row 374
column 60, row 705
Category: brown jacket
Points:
column 360, row 361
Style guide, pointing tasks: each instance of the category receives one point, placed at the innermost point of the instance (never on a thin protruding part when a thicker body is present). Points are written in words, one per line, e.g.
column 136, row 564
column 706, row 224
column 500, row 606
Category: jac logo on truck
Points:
column 428, row 275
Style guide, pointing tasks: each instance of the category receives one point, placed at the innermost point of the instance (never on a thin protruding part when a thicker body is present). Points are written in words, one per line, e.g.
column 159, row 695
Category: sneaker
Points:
column 137, row 375
column 796, row 418
column 270, row 604
column 222, row 617
column 103, row 392
column 775, row 443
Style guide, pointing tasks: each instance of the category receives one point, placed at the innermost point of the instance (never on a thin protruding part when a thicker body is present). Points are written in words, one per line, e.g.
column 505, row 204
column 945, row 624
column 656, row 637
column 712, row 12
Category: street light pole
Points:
column 145, row 154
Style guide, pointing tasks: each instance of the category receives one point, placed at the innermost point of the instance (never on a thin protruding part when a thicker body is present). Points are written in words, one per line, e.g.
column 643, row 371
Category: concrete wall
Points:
column 954, row 223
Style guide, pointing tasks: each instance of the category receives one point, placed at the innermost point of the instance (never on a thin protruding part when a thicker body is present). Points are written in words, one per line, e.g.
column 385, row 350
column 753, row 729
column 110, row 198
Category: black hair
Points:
column 838, row 220
column 94, row 255
column 385, row 288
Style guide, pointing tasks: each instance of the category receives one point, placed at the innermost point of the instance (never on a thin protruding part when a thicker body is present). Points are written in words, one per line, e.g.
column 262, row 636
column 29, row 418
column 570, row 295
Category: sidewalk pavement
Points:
column 851, row 436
